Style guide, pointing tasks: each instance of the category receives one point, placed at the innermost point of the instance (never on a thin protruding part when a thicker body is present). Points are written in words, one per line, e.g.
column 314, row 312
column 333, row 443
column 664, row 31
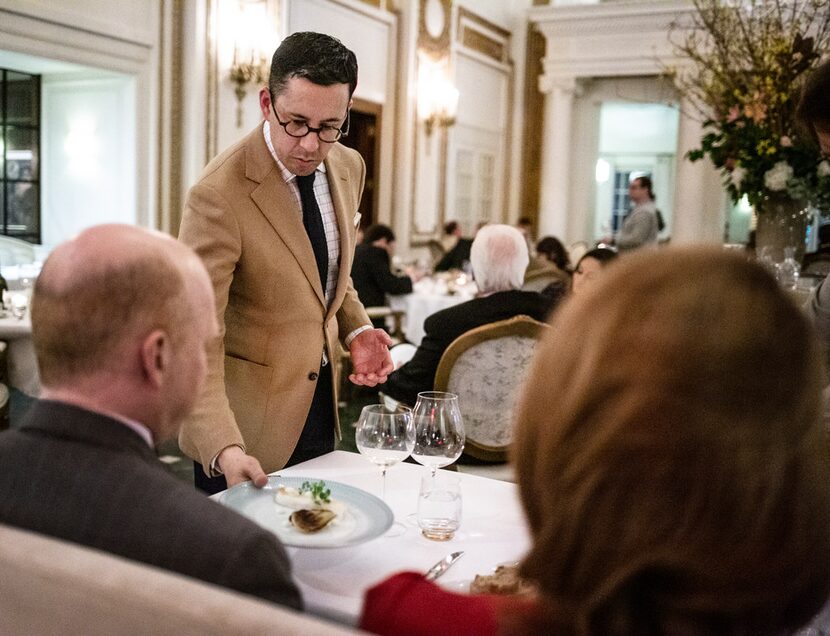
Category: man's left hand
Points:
column 370, row 357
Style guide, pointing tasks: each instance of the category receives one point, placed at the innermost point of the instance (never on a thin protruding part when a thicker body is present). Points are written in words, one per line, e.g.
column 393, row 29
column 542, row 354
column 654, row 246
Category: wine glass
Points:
column 385, row 435
column 439, row 431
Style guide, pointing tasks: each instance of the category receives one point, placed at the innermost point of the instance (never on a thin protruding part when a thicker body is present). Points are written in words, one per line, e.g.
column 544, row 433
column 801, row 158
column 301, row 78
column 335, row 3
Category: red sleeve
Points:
column 408, row 604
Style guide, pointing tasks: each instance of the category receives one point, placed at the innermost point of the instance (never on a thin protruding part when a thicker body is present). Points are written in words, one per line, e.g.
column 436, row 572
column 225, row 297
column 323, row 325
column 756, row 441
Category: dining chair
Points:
column 387, row 312
column 539, row 280
column 486, row 367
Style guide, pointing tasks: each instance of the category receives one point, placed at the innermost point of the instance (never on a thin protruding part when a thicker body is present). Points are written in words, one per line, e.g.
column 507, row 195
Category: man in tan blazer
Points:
column 274, row 219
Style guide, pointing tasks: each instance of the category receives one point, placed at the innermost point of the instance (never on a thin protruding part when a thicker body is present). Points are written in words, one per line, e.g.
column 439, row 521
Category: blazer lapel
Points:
column 338, row 186
column 277, row 202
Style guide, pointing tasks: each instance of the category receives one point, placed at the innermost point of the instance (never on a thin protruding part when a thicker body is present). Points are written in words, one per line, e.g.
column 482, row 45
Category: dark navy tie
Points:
column 313, row 223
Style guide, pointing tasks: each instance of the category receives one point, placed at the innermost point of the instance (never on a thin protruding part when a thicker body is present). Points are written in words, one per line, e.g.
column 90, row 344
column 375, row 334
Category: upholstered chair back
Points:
column 486, row 368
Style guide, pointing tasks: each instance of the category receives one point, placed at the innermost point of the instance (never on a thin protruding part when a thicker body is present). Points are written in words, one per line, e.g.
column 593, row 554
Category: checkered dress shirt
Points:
column 321, row 191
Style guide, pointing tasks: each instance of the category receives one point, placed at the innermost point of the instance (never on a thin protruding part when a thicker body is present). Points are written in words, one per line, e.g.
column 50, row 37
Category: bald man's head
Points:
column 103, row 291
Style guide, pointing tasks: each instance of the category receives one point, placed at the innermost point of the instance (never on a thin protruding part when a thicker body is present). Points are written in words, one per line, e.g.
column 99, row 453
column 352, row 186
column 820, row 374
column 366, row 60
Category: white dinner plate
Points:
column 366, row 516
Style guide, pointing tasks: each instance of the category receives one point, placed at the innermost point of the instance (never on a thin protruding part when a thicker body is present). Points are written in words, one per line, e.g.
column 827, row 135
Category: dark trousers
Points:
column 316, row 439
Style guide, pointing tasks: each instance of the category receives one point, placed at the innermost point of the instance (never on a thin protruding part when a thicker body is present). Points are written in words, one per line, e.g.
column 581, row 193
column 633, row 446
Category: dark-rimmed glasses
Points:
column 326, row 134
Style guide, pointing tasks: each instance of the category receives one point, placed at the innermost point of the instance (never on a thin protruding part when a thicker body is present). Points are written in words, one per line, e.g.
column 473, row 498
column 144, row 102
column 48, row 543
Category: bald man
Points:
column 120, row 320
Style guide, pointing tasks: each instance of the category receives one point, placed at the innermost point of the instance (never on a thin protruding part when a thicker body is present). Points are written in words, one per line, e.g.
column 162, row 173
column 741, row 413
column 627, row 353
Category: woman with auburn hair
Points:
column 671, row 463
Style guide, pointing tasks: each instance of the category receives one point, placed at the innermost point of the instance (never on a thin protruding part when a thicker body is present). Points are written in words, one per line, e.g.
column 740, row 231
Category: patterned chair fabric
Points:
column 486, row 368
column 539, row 281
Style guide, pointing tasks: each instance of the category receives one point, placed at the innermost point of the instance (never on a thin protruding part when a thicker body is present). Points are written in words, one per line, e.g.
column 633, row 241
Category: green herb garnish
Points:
column 319, row 493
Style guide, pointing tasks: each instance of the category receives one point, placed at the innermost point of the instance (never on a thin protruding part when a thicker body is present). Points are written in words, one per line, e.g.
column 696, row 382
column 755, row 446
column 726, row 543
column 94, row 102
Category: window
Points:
column 475, row 187
column 20, row 155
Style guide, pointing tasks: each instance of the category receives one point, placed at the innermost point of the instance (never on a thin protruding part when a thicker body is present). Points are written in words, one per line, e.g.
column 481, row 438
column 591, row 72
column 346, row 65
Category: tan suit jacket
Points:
column 245, row 223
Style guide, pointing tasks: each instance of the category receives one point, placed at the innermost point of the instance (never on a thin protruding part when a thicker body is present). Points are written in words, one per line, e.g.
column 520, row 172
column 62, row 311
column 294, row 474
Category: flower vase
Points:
column 781, row 222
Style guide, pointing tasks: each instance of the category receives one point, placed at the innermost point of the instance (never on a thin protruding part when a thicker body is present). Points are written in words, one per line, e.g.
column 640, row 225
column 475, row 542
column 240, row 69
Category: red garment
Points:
column 408, row 605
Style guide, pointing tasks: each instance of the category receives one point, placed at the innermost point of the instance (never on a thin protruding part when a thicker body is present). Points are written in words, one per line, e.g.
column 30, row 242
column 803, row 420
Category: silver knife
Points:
column 442, row 566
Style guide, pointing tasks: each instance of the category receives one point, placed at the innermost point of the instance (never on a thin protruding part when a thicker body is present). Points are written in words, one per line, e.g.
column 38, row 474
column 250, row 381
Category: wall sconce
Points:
column 437, row 97
column 251, row 71
column 250, row 65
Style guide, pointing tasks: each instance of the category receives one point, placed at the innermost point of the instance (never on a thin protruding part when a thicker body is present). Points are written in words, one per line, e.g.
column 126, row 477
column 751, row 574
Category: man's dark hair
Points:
column 645, row 182
column 814, row 105
column 319, row 58
column 450, row 227
column 376, row 232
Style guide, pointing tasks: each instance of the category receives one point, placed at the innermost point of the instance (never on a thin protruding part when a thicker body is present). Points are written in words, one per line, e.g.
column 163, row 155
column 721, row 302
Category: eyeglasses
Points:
column 327, row 134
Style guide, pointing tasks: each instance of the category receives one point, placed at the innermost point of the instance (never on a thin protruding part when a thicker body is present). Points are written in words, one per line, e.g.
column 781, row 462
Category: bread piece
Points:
column 504, row 581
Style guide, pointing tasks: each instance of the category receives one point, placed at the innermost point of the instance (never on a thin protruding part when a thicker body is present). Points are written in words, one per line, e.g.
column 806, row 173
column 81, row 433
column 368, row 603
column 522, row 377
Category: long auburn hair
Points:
column 670, row 456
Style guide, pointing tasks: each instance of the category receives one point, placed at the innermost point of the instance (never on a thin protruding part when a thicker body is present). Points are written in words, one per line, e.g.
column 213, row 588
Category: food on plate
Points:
column 314, row 509
column 505, row 580
column 311, row 520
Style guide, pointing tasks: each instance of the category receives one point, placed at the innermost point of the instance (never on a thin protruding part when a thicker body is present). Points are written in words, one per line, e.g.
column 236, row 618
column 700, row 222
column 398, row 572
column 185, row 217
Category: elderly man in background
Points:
column 499, row 258
column 120, row 321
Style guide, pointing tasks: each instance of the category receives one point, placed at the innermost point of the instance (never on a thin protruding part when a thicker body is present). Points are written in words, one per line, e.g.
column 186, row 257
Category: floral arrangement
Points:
column 748, row 59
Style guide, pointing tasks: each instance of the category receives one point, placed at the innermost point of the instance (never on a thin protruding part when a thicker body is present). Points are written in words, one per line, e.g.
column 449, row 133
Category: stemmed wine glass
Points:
column 385, row 435
column 439, row 431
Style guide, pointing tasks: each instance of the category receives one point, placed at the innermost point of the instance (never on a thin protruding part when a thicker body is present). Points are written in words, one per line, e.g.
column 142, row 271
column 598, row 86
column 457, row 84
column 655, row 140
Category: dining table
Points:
column 20, row 352
column 429, row 295
column 333, row 580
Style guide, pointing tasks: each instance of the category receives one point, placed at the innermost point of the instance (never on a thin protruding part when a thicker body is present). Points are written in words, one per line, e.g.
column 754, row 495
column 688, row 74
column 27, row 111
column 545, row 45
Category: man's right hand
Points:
column 238, row 467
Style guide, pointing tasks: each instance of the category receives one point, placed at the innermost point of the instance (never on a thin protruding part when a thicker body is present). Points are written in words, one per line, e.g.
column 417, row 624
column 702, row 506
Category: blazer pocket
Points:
column 248, row 386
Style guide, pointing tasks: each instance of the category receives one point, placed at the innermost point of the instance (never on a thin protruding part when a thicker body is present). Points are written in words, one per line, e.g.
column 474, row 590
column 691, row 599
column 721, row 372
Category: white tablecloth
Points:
column 427, row 297
column 333, row 581
column 22, row 361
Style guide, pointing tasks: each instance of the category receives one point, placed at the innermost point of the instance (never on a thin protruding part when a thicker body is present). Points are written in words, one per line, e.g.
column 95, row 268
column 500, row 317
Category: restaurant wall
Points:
column 88, row 154
column 120, row 39
column 613, row 40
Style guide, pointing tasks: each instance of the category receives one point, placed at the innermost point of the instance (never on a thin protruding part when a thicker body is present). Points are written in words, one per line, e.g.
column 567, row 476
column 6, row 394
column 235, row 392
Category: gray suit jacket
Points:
column 83, row 477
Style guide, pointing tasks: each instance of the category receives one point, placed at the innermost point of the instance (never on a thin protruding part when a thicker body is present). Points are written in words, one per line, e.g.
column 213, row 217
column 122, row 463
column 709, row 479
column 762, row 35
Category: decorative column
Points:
column 699, row 198
column 556, row 155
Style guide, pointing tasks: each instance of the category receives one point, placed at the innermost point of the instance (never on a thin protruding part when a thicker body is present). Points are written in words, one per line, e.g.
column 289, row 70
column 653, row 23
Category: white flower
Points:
column 776, row 178
column 737, row 175
column 823, row 169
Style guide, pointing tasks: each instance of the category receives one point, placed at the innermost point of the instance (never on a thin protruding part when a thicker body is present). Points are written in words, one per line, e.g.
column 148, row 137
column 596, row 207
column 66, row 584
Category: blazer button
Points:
column 312, row 376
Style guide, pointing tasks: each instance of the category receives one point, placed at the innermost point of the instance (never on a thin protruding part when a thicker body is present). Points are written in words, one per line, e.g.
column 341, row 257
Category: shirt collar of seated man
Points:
column 121, row 317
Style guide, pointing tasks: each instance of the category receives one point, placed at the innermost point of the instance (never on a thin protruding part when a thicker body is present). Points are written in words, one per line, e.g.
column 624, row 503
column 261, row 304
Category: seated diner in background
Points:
column 499, row 259
column 677, row 484
column 551, row 255
column 372, row 275
column 120, row 320
column 457, row 248
column 589, row 269
column 550, row 269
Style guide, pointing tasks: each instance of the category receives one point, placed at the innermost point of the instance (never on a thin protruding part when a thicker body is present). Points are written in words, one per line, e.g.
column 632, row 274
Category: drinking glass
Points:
column 385, row 435
column 439, row 431
column 439, row 506
column 19, row 302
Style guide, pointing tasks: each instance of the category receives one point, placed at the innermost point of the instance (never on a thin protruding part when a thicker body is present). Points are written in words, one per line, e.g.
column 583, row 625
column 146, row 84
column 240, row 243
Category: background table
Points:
column 428, row 296
column 333, row 581
column 23, row 373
